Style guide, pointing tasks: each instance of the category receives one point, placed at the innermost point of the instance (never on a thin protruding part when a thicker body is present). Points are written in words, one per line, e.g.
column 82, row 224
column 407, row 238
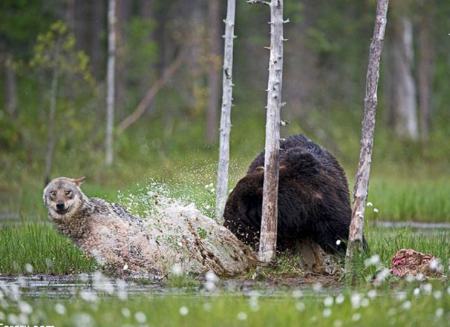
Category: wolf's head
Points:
column 63, row 197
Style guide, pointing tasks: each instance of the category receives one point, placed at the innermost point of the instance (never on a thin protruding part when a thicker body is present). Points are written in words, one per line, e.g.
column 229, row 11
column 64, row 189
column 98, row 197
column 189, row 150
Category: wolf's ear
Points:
column 79, row 181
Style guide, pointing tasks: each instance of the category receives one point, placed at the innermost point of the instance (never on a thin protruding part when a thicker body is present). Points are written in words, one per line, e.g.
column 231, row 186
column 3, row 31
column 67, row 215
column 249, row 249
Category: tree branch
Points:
column 151, row 93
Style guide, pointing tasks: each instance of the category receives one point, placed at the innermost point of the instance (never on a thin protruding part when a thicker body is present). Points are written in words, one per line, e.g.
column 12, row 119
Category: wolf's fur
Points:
column 122, row 242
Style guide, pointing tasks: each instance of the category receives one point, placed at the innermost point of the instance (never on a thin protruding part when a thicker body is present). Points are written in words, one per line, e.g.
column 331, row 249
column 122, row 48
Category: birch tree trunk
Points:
column 355, row 241
column 424, row 73
column 225, row 118
column 213, row 74
column 404, row 93
column 51, row 137
column 110, row 81
column 268, row 238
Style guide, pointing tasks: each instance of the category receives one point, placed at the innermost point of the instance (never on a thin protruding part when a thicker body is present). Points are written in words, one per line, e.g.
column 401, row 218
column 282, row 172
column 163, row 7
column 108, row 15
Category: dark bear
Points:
column 313, row 199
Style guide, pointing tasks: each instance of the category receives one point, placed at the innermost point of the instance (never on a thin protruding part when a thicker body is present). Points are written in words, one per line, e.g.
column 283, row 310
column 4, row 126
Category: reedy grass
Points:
column 38, row 248
column 48, row 252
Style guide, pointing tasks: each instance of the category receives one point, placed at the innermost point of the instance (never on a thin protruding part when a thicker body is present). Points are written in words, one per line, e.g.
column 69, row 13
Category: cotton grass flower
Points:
column 356, row 317
column 300, row 306
column 242, row 316
column 372, row 294
column 372, row 261
column 328, row 301
column 326, row 313
column 126, row 312
column 340, row 298
column 184, row 311
column 140, row 317
column 355, row 299
column 406, row 305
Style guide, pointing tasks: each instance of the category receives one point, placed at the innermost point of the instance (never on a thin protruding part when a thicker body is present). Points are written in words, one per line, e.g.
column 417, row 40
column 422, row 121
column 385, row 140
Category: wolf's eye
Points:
column 69, row 193
column 53, row 194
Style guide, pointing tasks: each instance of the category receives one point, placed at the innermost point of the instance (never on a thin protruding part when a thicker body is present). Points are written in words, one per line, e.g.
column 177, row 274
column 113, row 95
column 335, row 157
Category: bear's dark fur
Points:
column 313, row 198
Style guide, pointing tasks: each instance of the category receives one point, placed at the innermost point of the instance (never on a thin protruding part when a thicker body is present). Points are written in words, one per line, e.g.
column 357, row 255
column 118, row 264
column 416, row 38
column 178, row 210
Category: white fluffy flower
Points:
column 242, row 316
column 184, row 311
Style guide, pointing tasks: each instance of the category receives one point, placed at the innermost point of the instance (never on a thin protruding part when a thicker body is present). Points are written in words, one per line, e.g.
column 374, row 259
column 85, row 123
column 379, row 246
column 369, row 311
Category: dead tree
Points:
column 404, row 104
column 110, row 81
column 355, row 240
column 268, row 236
column 225, row 118
column 425, row 71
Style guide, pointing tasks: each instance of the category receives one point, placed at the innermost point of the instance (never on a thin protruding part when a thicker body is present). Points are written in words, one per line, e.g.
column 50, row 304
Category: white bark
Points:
column 355, row 240
column 405, row 105
column 268, row 238
column 225, row 118
column 110, row 81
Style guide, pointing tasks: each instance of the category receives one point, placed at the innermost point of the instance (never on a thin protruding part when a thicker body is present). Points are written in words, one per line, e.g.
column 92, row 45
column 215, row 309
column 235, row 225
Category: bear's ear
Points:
column 79, row 181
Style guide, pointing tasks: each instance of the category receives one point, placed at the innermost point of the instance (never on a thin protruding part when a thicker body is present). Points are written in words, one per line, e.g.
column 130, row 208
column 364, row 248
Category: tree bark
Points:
column 213, row 73
column 110, row 81
column 268, row 237
column 425, row 72
column 225, row 118
column 404, row 104
column 355, row 241
column 10, row 87
column 51, row 137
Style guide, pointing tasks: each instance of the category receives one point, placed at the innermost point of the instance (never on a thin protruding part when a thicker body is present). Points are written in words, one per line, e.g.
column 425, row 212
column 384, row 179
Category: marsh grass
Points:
column 40, row 245
column 37, row 248
column 413, row 200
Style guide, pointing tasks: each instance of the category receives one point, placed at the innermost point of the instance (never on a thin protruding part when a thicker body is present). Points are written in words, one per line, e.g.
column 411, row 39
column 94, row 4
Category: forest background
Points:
column 172, row 50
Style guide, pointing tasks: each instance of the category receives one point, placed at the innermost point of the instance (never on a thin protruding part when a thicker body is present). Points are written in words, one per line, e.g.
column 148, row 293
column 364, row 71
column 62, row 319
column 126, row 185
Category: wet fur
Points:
column 124, row 244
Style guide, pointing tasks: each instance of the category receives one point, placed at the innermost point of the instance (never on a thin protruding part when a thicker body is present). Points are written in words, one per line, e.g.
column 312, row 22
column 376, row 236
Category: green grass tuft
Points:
column 40, row 247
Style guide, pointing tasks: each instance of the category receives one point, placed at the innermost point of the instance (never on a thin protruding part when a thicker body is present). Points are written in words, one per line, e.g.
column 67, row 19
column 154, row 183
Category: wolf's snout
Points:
column 60, row 206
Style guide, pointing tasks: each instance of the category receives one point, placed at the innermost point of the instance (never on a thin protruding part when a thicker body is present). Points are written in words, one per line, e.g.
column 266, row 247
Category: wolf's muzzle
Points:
column 61, row 208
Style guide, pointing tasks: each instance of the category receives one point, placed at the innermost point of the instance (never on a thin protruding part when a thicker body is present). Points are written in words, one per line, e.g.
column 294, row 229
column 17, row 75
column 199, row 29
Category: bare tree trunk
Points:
column 425, row 72
column 10, row 87
column 110, row 81
column 268, row 238
column 213, row 74
column 225, row 118
column 355, row 241
column 404, row 104
column 51, row 137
